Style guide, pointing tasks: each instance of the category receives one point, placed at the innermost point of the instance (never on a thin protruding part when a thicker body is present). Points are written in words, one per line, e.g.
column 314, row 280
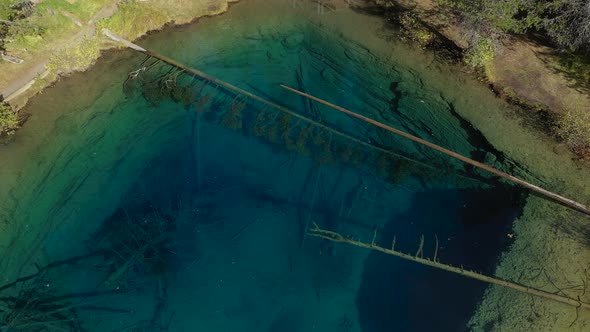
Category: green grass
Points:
column 47, row 24
column 48, row 32
column 41, row 30
column 77, row 57
column 5, row 10
column 133, row 18
column 82, row 9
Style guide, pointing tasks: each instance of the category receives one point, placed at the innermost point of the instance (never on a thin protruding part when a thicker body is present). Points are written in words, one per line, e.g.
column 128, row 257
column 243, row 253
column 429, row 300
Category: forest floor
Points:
column 523, row 70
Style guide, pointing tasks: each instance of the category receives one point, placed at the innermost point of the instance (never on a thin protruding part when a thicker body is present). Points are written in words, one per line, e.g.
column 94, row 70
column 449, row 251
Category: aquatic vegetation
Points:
column 153, row 93
column 399, row 170
column 292, row 128
column 182, row 94
column 344, row 151
column 161, row 81
column 283, row 126
column 358, row 156
column 260, row 122
column 33, row 303
column 158, row 87
column 33, row 309
column 201, row 103
column 323, row 154
column 143, row 243
column 302, row 140
column 156, row 152
column 272, row 126
column 233, row 117
column 273, row 132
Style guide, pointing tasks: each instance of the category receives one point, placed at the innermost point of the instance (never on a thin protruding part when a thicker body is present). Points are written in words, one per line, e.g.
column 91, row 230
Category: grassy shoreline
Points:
column 562, row 119
column 66, row 49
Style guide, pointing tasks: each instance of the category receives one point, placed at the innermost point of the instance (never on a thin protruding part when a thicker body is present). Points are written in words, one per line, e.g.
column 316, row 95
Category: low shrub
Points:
column 416, row 30
column 8, row 119
column 481, row 52
column 78, row 57
column 574, row 128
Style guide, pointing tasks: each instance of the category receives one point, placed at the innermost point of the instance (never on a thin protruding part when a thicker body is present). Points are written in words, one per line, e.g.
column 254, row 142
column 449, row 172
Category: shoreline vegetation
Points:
column 533, row 61
column 550, row 241
column 534, row 55
column 43, row 40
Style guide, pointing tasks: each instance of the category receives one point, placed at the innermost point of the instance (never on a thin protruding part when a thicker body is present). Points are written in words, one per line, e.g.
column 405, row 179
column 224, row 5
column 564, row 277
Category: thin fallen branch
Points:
column 420, row 251
column 336, row 237
column 435, row 258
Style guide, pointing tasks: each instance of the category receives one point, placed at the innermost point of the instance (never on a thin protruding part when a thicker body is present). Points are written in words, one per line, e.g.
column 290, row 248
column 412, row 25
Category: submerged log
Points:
column 336, row 237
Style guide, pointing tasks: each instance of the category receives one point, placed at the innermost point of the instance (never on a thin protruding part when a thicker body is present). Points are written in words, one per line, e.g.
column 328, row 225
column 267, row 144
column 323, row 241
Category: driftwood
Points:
column 336, row 237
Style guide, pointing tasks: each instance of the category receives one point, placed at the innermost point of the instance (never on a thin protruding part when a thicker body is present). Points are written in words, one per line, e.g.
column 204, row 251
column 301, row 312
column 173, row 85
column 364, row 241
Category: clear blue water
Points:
column 196, row 202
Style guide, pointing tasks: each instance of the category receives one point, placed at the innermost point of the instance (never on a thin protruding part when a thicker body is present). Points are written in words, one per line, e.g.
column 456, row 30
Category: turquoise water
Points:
column 187, row 207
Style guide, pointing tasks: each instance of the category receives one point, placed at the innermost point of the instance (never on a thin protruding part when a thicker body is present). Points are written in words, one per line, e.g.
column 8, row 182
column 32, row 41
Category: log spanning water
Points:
column 317, row 232
column 546, row 193
column 551, row 195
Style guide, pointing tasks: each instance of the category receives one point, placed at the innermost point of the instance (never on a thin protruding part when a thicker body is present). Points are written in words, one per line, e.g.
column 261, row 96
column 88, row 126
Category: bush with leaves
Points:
column 574, row 129
column 566, row 22
column 481, row 52
column 8, row 119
